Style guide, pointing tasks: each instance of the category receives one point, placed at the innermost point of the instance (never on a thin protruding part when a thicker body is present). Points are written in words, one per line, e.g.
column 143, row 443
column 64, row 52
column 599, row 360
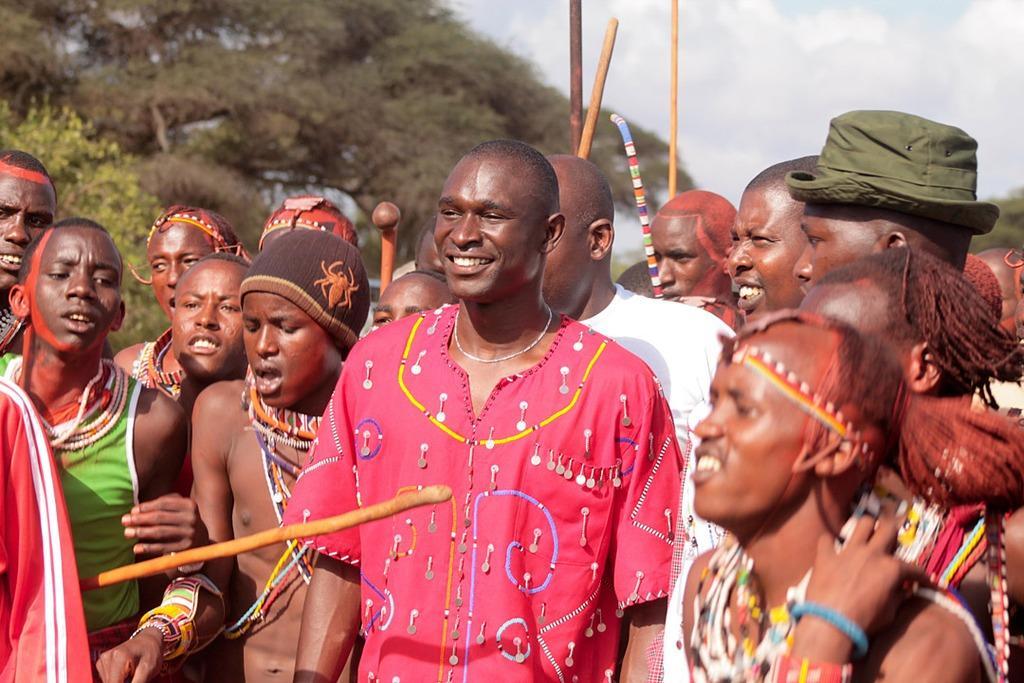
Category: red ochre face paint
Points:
column 24, row 173
column 36, row 316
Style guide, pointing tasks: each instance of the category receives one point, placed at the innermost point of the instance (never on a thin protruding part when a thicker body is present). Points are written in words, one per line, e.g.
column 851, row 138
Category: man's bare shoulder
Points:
column 125, row 358
column 926, row 642
column 159, row 416
column 218, row 418
column 221, row 404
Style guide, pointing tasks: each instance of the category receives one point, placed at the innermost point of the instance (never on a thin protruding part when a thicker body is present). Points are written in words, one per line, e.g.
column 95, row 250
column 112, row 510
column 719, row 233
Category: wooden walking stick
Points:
column 428, row 495
column 386, row 217
column 575, row 74
column 597, row 94
column 673, row 105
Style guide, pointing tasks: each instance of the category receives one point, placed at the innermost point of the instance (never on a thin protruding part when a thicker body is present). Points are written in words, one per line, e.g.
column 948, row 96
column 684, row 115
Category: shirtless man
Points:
column 254, row 434
column 207, row 325
column 178, row 239
column 116, row 444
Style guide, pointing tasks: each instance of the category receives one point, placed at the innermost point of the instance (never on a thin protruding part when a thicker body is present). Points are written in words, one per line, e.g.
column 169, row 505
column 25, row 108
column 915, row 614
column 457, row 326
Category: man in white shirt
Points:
column 680, row 343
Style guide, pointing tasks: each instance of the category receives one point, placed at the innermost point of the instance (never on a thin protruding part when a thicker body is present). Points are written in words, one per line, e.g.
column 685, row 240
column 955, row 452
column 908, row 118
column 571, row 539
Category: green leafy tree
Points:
column 233, row 104
column 1009, row 230
column 96, row 180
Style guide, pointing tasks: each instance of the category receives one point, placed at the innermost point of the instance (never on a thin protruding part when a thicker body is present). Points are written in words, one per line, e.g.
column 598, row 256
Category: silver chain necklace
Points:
column 478, row 359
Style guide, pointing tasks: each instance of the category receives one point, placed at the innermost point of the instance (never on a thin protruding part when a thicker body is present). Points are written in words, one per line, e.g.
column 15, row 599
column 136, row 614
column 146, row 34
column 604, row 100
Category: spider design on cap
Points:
column 336, row 285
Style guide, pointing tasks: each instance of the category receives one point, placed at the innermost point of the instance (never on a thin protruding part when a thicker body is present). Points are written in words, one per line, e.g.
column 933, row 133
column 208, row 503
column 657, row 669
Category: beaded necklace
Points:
column 273, row 426
column 10, row 325
column 717, row 656
column 149, row 367
column 925, row 529
column 281, row 426
column 99, row 408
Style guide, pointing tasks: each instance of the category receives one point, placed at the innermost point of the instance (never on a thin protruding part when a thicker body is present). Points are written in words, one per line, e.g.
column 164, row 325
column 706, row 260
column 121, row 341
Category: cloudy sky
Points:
column 761, row 78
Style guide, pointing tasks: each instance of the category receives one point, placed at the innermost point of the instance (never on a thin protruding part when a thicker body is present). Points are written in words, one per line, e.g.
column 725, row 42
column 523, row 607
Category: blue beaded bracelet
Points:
column 849, row 629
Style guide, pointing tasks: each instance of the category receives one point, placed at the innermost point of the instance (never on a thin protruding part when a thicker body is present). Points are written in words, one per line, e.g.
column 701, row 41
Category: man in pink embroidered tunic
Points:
column 557, row 443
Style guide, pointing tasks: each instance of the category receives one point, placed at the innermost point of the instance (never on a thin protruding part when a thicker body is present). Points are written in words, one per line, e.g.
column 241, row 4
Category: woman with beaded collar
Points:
column 179, row 237
column 797, row 427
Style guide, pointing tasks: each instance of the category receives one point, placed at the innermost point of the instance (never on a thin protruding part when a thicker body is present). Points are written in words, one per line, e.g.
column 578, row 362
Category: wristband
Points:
column 175, row 616
column 849, row 629
column 787, row 669
column 165, row 633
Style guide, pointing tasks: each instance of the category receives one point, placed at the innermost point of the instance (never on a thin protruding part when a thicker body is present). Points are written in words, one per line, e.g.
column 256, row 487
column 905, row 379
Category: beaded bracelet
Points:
column 175, row 616
column 847, row 627
column 787, row 669
column 165, row 633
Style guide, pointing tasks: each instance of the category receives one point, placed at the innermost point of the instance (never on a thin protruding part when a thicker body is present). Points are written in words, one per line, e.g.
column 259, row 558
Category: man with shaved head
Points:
column 1008, row 278
column 680, row 343
column 691, row 237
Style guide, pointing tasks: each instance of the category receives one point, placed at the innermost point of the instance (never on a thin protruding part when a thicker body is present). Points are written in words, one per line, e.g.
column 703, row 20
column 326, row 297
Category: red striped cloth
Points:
column 42, row 626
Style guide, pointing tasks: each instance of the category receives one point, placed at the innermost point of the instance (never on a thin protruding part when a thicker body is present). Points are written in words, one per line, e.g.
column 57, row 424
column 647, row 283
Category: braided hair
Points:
column 945, row 450
column 933, row 302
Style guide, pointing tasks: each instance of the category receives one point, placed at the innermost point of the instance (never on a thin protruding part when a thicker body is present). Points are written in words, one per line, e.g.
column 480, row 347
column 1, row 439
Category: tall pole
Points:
column 575, row 74
column 673, row 106
column 594, row 108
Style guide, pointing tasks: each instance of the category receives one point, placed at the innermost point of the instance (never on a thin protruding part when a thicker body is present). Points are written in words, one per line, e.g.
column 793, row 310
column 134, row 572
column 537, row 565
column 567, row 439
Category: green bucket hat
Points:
column 897, row 161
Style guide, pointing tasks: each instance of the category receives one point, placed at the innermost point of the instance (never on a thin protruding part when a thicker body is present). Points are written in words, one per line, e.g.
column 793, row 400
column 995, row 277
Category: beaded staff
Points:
column 428, row 495
column 641, row 201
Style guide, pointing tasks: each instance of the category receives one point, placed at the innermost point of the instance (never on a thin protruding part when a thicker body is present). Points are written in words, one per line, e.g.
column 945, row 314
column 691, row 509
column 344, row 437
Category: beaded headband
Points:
column 310, row 213
column 188, row 219
column 787, row 382
column 792, row 388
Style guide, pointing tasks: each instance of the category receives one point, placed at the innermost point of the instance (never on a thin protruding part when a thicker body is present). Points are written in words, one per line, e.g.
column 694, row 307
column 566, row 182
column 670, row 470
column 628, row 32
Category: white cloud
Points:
column 760, row 84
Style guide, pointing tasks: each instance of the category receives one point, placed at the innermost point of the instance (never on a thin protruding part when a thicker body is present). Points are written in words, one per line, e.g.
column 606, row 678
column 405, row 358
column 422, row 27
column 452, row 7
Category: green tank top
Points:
column 100, row 485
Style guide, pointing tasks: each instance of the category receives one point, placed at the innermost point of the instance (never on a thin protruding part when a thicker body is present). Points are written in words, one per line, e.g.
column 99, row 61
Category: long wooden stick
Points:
column 673, row 105
column 428, row 495
column 575, row 73
column 597, row 94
